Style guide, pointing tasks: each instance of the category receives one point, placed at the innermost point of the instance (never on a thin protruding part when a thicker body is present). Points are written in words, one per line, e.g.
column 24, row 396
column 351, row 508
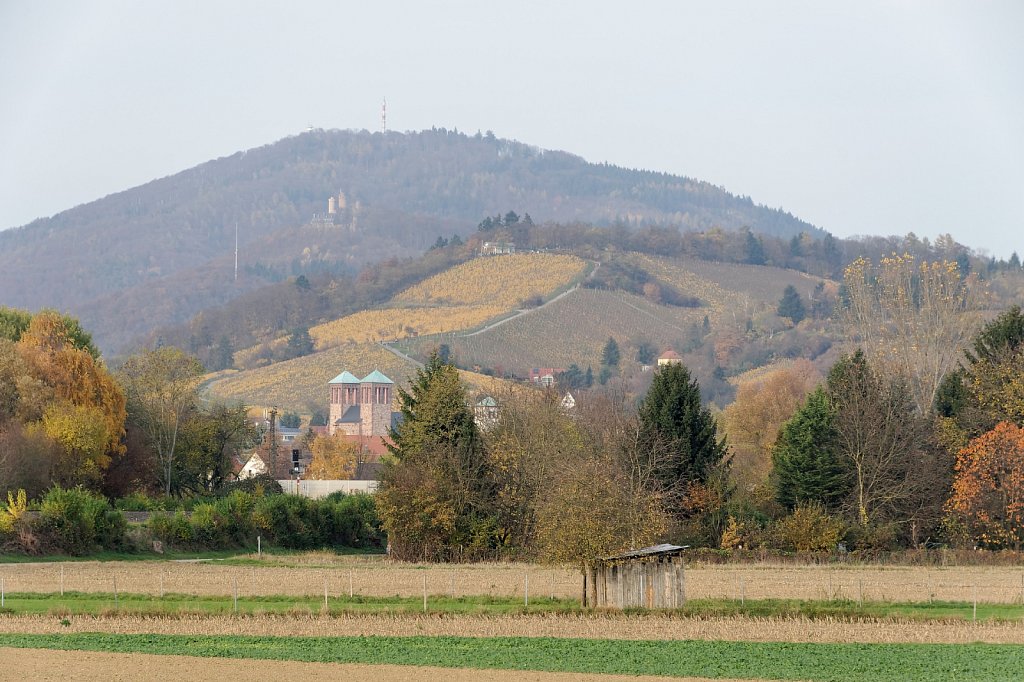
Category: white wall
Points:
column 317, row 489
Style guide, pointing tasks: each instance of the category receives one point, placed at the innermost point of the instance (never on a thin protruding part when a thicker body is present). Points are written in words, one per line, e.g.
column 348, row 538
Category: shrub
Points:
column 355, row 522
column 808, row 529
column 75, row 521
column 174, row 530
column 140, row 501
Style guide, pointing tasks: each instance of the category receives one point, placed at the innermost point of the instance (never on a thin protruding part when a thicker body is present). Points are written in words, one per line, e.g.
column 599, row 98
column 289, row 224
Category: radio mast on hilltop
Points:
column 236, row 250
column 384, row 116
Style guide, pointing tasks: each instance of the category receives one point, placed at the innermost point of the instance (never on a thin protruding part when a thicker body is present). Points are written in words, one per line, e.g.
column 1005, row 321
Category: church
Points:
column 361, row 407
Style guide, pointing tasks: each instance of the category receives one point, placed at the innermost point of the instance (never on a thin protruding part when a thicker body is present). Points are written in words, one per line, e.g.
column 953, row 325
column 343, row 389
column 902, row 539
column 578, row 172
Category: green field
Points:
column 92, row 603
column 751, row 660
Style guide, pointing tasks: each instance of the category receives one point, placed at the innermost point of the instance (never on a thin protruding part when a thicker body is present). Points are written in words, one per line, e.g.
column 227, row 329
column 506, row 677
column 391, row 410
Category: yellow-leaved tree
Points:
column 334, row 458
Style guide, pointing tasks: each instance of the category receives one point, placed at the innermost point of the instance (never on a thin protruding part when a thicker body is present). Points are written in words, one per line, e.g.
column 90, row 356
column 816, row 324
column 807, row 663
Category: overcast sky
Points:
column 861, row 117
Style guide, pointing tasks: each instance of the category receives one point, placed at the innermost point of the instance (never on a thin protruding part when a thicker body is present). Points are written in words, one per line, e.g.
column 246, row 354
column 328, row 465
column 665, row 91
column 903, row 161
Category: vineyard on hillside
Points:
column 501, row 281
column 571, row 330
column 398, row 323
column 301, row 384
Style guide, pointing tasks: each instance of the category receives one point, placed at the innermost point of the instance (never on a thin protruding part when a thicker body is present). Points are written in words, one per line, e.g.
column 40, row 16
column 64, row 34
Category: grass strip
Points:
column 91, row 603
column 752, row 660
column 96, row 603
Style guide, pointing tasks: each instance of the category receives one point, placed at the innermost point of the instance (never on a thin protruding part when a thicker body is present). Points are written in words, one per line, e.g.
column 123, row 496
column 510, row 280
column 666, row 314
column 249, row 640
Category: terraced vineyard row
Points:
column 501, row 281
column 399, row 323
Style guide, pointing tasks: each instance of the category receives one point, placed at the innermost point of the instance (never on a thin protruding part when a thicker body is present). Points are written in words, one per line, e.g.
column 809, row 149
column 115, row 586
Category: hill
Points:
column 728, row 320
column 157, row 254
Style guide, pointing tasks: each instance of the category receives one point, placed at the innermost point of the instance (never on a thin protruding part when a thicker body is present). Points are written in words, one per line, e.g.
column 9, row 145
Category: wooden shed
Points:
column 652, row 578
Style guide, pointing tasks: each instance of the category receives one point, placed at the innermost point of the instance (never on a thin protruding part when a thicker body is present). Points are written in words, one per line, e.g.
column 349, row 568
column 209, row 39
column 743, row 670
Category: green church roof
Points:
column 375, row 377
column 344, row 378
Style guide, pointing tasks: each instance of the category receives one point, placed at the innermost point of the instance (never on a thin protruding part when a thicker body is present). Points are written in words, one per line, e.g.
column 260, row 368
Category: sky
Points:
column 863, row 117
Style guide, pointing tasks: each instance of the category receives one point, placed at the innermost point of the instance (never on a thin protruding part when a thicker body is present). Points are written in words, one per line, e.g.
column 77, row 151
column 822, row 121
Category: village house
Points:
column 670, row 357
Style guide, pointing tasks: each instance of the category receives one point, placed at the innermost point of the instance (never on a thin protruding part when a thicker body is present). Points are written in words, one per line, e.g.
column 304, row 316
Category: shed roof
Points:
column 647, row 551
column 345, row 377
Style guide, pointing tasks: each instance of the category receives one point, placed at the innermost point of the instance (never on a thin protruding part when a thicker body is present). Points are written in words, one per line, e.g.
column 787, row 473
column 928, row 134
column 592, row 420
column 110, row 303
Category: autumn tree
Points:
column 912, row 320
column 161, row 387
column 334, row 458
column 752, row 421
column 53, row 352
column 988, row 490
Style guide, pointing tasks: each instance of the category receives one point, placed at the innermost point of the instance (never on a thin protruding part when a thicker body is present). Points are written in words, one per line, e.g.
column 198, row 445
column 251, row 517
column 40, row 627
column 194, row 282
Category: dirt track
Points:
column 30, row 665
column 622, row 627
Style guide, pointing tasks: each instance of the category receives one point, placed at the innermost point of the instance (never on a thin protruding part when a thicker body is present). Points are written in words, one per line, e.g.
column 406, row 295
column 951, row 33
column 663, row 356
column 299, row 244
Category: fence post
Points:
column 62, row 580
column 234, row 581
column 974, row 593
column 860, row 592
column 743, row 591
column 161, row 583
column 424, row 593
column 350, row 592
column 115, row 592
column 526, row 591
column 3, row 593
column 325, row 592
column 259, row 546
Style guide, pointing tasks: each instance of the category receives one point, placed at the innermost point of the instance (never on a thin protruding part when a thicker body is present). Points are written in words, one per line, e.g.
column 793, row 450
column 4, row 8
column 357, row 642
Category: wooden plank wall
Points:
column 657, row 584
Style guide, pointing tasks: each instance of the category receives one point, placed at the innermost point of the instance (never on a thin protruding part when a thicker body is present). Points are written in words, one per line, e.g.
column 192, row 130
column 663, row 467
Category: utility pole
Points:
column 384, row 116
column 236, row 250
column 273, row 442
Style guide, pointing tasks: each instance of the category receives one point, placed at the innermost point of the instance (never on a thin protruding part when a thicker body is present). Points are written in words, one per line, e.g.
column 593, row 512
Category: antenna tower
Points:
column 236, row 250
column 384, row 116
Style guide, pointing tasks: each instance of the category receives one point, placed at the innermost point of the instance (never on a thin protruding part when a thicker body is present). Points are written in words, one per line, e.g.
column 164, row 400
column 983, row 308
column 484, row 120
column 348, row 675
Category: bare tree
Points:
column 911, row 319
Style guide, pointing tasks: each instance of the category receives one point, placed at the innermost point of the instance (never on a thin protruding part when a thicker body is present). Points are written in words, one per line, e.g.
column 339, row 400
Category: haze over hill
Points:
column 157, row 254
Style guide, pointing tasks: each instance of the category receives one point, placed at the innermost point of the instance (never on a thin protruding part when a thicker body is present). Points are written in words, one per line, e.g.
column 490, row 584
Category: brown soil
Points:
column 29, row 665
column 652, row 627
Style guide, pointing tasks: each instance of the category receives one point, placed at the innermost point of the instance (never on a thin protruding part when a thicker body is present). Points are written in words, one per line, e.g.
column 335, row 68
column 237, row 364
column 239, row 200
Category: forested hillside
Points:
column 159, row 253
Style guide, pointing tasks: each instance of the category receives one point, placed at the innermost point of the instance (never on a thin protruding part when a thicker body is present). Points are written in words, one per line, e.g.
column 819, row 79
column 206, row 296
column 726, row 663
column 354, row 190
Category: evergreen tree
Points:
column 223, row 354
column 588, row 378
column 646, row 353
column 805, row 464
column 672, row 419
column 754, row 248
column 456, row 240
column 1014, row 261
column 300, row 343
column 436, row 499
column 998, row 338
column 791, row 305
column 611, row 356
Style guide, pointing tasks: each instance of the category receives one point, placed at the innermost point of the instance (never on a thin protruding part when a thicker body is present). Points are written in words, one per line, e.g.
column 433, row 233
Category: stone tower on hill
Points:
column 360, row 407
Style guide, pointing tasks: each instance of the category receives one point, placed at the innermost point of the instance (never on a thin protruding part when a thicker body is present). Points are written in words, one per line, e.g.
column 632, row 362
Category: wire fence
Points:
column 379, row 578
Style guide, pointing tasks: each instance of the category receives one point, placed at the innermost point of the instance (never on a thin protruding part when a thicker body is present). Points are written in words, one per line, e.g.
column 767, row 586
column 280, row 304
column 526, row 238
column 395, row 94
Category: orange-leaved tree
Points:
column 988, row 490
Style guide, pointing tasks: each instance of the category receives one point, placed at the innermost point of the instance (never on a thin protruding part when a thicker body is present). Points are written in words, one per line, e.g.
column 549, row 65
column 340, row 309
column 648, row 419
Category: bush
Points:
column 174, row 530
column 808, row 529
column 356, row 523
column 76, row 521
